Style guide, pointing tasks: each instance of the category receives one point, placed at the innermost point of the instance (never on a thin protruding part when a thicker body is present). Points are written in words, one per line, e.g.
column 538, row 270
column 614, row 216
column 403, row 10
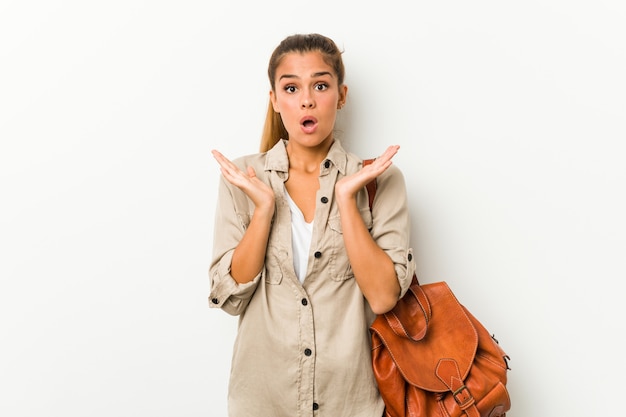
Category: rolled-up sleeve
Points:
column 392, row 224
column 231, row 220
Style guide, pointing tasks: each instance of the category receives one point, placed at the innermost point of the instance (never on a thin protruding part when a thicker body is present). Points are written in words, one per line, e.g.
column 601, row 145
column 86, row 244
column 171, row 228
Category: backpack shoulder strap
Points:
column 371, row 186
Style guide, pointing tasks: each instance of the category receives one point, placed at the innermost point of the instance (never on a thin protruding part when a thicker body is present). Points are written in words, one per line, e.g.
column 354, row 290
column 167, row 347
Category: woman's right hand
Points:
column 260, row 193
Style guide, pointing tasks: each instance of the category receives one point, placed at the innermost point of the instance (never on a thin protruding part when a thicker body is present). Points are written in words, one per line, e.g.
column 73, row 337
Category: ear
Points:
column 273, row 100
column 343, row 94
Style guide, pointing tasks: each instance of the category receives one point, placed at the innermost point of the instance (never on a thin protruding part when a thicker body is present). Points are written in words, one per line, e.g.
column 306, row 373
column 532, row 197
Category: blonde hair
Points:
column 274, row 129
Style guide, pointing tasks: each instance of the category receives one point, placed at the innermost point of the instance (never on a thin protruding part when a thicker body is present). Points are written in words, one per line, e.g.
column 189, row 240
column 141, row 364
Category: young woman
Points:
column 298, row 254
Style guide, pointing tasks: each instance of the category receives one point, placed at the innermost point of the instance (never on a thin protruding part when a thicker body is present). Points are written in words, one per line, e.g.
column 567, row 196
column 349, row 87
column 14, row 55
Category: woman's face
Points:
column 307, row 95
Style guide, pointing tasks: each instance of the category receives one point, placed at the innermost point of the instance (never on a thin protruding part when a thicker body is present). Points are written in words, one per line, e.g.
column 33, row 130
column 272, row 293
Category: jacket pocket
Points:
column 273, row 267
column 339, row 265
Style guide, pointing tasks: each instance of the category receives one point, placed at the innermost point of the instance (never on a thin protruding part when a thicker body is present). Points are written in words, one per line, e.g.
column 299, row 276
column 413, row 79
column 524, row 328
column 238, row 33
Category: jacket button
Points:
column 307, row 352
column 215, row 301
column 318, row 254
column 304, row 302
column 316, row 406
column 324, row 200
column 410, row 257
column 327, row 164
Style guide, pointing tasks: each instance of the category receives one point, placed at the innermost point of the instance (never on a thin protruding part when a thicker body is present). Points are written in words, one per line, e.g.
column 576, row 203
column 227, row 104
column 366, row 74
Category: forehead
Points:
column 303, row 65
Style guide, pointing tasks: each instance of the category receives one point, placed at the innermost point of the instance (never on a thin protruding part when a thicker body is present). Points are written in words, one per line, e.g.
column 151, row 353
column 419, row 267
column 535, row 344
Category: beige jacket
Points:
column 304, row 349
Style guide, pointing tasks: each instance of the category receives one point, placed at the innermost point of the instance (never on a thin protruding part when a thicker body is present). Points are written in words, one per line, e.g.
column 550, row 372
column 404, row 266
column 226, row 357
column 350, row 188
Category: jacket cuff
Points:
column 226, row 293
column 405, row 271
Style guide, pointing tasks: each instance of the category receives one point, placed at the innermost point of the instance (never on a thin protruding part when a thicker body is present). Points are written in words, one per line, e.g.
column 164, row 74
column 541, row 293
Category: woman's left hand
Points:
column 347, row 187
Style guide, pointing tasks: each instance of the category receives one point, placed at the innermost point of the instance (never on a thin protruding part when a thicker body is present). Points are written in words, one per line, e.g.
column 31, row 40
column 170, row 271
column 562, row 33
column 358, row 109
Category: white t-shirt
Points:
column 301, row 233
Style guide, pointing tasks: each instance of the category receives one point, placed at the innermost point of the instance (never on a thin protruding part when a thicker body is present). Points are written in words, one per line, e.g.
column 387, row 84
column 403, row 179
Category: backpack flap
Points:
column 420, row 343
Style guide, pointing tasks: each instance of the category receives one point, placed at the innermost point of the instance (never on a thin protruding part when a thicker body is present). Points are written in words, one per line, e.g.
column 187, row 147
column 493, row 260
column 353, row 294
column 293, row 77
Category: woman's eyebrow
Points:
column 287, row 76
column 321, row 74
column 314, row 75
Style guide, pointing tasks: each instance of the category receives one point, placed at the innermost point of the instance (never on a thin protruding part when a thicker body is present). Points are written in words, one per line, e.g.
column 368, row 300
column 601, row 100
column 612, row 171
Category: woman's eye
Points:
column 290, row 88
column 321, row 86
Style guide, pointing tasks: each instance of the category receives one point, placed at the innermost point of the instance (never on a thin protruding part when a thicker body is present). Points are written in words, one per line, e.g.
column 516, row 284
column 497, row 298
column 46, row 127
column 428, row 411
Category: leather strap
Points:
column 416, row 312
column 371, row 186
column 447, row 371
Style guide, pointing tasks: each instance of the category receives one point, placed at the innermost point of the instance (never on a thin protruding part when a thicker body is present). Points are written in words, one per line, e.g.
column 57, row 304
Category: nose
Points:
column 307, row 101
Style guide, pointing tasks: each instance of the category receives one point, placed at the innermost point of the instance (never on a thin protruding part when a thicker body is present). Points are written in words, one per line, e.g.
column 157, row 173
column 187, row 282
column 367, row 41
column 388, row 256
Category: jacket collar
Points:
column 277, row 159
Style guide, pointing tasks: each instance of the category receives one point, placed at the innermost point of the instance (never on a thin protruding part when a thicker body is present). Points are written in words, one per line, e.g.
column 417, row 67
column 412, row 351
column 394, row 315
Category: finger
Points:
column 217, row 155
column 227, row 167
column 389, row 153
column 221, row 159
column 381, row 163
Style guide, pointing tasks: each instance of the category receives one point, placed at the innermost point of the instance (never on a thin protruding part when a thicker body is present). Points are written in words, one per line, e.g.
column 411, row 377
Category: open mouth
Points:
column 309, row 124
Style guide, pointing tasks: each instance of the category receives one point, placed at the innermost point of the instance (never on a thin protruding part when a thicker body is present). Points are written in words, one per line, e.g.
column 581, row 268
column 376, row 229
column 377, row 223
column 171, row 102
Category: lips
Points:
column 308, row 124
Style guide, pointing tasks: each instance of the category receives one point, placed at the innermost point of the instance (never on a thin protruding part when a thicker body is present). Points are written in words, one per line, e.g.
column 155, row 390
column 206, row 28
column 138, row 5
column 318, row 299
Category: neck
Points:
column 307, row 159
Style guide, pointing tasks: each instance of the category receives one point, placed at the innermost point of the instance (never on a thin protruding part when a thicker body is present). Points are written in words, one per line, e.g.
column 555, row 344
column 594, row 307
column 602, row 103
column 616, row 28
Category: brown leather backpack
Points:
column 431, row 357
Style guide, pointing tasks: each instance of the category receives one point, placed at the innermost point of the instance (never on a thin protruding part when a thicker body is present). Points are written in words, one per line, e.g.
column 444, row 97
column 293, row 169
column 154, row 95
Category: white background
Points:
column 510, row 117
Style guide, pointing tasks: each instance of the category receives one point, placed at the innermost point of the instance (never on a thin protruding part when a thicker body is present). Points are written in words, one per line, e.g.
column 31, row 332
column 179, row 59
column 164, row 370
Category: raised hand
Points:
column 347, row 187
column 260, row 193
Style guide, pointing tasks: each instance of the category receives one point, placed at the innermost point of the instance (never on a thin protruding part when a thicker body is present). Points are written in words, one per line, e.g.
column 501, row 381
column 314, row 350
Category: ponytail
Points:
column 274, row 129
